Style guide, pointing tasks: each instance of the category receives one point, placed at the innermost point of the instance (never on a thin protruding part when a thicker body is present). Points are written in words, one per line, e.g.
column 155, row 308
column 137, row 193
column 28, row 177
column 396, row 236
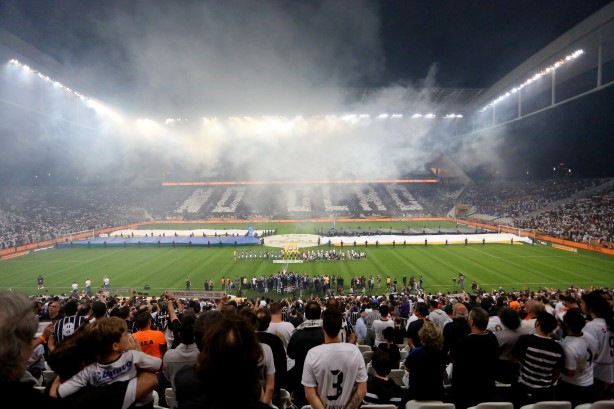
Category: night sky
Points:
column 151, row 57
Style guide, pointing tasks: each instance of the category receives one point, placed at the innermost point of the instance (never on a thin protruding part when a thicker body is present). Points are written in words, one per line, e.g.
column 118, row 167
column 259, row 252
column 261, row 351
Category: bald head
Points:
column 459, row 311
column 533, row 307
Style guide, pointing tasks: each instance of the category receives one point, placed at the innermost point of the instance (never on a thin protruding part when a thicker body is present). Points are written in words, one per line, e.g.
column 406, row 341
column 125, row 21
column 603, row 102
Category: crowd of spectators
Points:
column 35, row 214
column 31, row 215
column 38, row 213
column 511, row 199
column 229, row 353
column 581, row 220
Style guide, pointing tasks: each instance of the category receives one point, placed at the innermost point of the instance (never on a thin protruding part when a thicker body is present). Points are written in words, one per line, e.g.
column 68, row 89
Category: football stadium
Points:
column 270, row 161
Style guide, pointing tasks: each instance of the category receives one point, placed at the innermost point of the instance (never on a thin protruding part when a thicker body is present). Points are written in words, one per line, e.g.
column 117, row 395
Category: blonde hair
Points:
column 430, row 336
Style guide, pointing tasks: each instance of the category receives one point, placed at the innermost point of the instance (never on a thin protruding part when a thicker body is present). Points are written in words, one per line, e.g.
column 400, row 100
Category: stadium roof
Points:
column 587, row 34
column 308, row 61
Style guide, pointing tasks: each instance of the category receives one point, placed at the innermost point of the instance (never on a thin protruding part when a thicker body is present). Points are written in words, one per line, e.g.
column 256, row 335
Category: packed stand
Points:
column 582, row 220
column 512, row 199
column 391, row 348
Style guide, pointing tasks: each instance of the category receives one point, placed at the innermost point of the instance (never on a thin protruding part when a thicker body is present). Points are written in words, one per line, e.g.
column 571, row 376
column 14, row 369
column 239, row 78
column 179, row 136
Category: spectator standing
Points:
column 576, row 382
column 399, row 331
column 308, row 335
column 296, row 318
column 506, row 369
column 456, row 329
column 67, row 325
column 371, row 316
column 379, row 325
column 229, row 368
column 532, row 307
column 437, row 315
column 99, row 310
column 263, row 315
column 540, row 359
column 361, row 327
column 601, row 329
column 473, row 357
column 153, row 342
column 188, row 387
column 53, row 312
column 426, row 365
column 334, row 374
column 411, row 334
column 281, row 329
column 347, row 333
column 185, row 354
column 267, row 375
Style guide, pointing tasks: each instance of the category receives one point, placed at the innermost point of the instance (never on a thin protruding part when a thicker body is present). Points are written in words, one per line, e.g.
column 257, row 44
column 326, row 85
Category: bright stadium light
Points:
column 383, row 116
column 546, row 71
column 46, row 78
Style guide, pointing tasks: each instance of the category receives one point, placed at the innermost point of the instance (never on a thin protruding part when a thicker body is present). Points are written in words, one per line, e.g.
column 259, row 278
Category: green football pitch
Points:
column 518, row 266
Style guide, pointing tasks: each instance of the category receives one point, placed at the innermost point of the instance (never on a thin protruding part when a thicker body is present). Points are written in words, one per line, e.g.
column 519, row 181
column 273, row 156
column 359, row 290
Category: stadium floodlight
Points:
column 546, row 71
column 430, row 116
column 383, row 116
column 46, row 78
column 396, row 116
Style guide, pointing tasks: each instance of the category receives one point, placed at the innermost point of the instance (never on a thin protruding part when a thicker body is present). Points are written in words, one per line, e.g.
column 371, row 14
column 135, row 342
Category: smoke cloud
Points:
column 250, row 87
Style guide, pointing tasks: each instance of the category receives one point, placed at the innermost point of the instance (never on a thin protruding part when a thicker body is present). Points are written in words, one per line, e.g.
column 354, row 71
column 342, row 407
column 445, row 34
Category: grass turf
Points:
column 516, row 266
